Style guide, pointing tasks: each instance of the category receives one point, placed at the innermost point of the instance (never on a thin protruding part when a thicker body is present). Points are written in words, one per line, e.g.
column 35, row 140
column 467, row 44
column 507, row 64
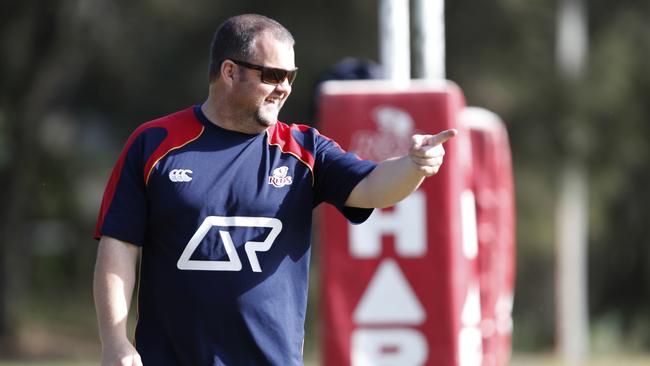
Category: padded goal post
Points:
column 405, row 287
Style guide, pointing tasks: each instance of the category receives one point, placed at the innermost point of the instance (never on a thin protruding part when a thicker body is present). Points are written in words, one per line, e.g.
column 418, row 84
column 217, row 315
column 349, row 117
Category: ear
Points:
column 228, row 71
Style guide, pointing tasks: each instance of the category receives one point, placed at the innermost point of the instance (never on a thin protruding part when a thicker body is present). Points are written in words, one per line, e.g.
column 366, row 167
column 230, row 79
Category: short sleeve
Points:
column 336, row 173
column 123, row 213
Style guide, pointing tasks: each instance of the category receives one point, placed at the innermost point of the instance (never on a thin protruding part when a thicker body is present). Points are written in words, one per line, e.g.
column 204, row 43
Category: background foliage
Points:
column 77, row 76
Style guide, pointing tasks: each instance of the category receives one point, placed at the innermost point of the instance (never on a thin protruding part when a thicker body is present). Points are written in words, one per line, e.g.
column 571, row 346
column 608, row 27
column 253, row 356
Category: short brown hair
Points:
column 235, row 37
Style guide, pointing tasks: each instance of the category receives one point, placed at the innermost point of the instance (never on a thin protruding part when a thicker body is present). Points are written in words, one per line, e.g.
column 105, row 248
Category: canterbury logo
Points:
column 279, row 178
column 180, row 175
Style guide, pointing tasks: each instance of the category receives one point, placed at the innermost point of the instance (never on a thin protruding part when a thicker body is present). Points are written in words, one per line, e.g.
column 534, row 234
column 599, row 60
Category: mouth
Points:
column 273, row 101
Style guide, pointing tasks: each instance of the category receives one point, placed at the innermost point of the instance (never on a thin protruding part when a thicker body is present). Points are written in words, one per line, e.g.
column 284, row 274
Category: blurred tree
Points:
column 615, row 100
column 502, row 55
column 34, row 70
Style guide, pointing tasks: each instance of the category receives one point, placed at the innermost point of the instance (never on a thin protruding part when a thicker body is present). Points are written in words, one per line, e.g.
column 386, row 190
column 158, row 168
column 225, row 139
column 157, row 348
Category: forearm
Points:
column 114, row 280
column 390, row 182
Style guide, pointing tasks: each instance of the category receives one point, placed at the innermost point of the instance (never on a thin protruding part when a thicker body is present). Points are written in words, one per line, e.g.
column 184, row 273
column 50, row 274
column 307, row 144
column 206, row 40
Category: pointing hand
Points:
column 427, row 152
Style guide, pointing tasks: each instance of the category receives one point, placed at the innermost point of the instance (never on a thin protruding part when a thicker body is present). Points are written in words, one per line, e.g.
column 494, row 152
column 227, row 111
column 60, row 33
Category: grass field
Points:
column 609, row 360
column 518, row 360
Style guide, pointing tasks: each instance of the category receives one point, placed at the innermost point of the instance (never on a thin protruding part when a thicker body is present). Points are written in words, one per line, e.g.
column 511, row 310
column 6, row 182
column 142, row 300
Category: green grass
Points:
column 604, row 360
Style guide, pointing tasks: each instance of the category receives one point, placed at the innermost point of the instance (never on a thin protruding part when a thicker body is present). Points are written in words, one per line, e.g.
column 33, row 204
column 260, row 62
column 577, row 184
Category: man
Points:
column 218, row 200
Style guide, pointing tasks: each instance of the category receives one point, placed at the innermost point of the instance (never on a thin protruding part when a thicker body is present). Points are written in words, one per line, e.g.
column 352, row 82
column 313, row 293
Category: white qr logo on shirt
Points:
column 233, row 263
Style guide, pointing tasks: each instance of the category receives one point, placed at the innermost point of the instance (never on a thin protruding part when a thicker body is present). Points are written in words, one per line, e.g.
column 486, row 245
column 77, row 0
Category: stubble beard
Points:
column 262, row 120
column 265, row 120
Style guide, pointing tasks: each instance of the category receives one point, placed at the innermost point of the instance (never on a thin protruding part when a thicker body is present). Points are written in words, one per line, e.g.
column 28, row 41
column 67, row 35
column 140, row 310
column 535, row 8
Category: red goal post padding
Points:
column 405, row 288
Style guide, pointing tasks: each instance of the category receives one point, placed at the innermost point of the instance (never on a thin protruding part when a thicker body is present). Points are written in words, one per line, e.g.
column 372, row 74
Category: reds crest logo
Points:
column 391, row 138
column 279, row 177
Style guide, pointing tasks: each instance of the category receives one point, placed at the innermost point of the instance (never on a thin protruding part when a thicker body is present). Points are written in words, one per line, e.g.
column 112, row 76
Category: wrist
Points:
column 110, row 341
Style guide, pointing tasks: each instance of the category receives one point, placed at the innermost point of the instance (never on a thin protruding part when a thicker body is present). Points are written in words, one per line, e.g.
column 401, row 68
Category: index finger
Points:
column 441, row 137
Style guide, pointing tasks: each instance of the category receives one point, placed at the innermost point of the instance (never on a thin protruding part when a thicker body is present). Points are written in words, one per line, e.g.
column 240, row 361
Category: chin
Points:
column 266, row 119
column 265, row 122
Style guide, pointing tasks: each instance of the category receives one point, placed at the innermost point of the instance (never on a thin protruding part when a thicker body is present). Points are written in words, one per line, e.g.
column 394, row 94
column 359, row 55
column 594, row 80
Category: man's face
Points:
column 261, row 102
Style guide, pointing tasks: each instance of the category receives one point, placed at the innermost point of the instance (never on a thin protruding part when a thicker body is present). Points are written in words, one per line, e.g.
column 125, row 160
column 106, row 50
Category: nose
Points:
column 284, row 87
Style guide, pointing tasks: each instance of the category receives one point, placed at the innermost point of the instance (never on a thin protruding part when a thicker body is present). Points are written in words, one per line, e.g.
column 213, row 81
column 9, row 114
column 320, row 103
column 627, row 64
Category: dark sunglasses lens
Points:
column 273, row 76
column 277, row 76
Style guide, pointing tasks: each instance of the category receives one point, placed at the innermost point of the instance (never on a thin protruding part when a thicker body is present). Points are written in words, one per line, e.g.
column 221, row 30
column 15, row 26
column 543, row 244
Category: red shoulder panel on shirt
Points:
column 182, row 128
column 281, row 135
column 179, row 134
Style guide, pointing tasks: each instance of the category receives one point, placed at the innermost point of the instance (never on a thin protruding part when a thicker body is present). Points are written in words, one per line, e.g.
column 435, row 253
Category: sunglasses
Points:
column 271, row 75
